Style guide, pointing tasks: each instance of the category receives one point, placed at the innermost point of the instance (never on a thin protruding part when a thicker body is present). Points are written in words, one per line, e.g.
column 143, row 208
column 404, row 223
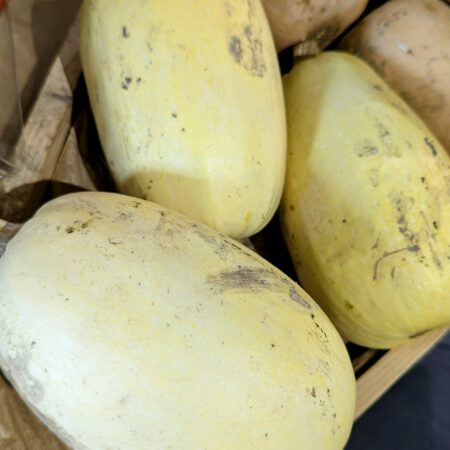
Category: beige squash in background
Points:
column 128, row 326
column 312, row 23
column 366, row 207
column 188, row 102
column 408, row 43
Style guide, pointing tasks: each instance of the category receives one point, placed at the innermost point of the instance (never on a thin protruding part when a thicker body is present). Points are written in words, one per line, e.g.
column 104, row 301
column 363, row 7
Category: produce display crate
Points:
column 57, row 133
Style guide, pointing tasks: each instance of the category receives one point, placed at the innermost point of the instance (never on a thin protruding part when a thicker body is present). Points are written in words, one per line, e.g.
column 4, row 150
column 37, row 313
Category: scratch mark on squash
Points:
column 430, row 239
column 382, row 257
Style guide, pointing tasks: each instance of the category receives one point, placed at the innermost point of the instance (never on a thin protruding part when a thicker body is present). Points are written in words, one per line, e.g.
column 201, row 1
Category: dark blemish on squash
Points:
column 206, row 237
column 291, row 208
column 321, row 330
column 344, row 221
column 312, row 316
column 135, row 204
column 70, row 230
column 401, row 206
column 419, row 333
column 244, row 278
column 183, row 130
column 272, row 345
column 138, row 80
column 126, row 83
column 382, row 130
column 422, row 179
column 33, row 343
column 431, row 146
column 266, row 435
column 162, row 221
column 435, row 225
column 313, row 392
column 174, row 115
column 294, row 295
column 248, row 52
column 377, row 87
column 430, row 240
column 124, row 216
column 393, row 272
column 125, row 33
column 368, row 150
column 115, row 241
column 348, row 305
column 374, row 246
column 413, row 249
column 235, row 48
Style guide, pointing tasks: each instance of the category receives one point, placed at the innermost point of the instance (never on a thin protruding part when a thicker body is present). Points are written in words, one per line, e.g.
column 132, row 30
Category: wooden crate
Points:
column 52, row 144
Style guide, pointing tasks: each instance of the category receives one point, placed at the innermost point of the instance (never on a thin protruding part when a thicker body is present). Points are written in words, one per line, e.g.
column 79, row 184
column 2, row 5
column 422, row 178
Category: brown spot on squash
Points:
column 244, row 278
column 298, row 298
column 431, row 146
column 419, row 333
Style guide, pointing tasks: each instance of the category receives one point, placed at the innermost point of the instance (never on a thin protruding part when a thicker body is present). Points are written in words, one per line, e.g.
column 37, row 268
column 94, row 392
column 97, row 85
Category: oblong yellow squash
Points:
column 127, row 326
column 366, row 207
column 408, row 43
column 188, row 101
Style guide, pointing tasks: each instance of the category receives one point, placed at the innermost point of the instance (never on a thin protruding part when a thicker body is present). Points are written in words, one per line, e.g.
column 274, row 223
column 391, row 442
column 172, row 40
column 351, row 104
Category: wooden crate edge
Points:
column 373, row 383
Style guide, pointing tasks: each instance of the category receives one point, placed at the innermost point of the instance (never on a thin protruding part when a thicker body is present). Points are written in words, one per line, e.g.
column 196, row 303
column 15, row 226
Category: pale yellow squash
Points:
column 366, row 207
column 127, row 326
column 408, row 43
column 188, row 101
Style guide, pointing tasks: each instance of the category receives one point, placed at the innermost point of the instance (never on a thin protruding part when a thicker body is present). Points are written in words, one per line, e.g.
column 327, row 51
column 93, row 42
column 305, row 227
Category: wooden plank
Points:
column 70, row 168
column 46, row 129
column 395, row 363
column 39, row 150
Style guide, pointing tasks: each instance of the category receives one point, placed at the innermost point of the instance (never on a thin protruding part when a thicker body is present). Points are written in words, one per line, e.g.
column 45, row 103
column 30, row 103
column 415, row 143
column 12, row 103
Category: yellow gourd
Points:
column 128, row 326
column 188, row 102
column 366, row 206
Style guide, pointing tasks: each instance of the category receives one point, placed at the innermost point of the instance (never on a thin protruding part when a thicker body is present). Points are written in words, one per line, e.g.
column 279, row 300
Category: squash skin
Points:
column 128, row 326
column 314, row 24
column 189, row 106
column 366, row 207
column 406, row 42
